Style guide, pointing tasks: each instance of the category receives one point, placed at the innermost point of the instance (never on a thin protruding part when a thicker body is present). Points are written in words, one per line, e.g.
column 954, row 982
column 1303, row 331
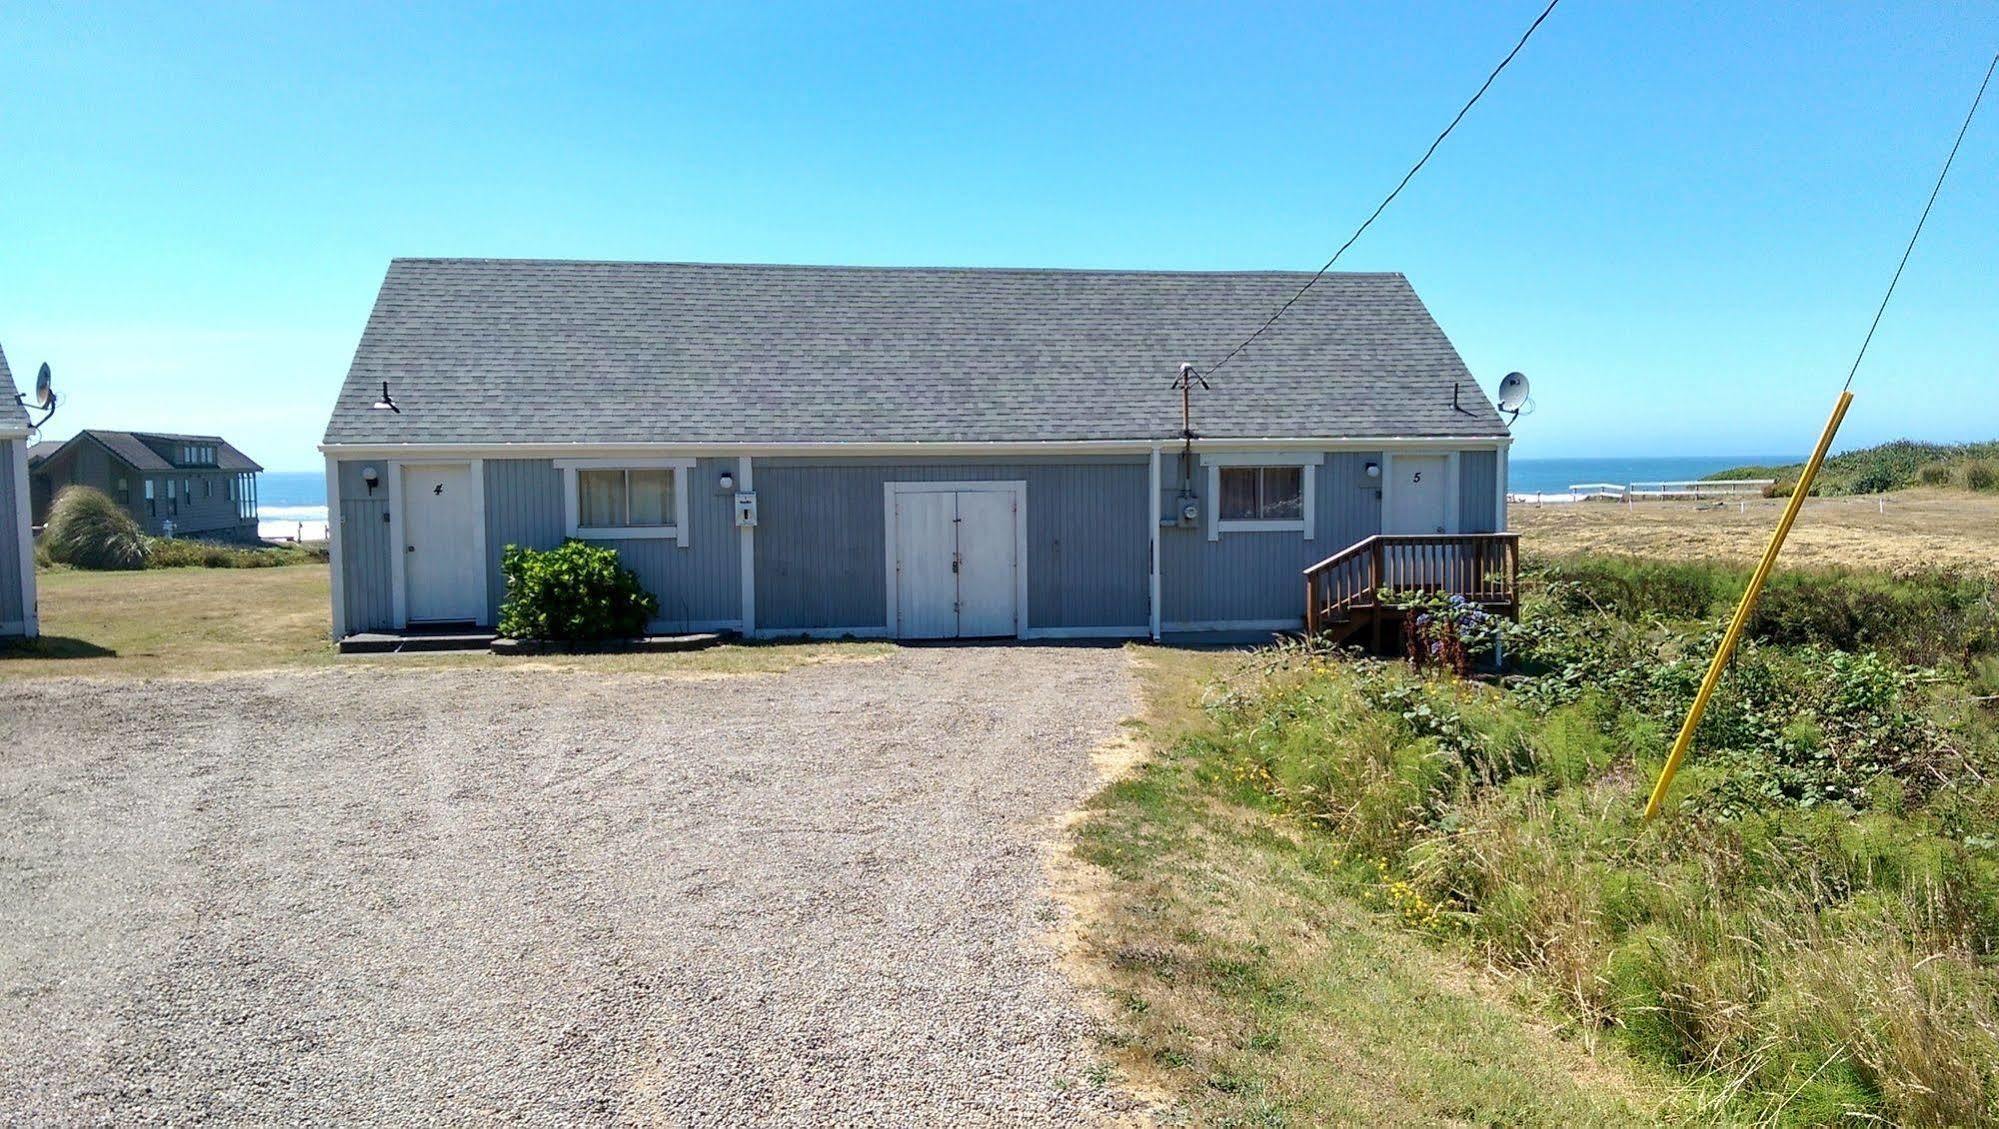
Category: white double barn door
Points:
column 956, row 555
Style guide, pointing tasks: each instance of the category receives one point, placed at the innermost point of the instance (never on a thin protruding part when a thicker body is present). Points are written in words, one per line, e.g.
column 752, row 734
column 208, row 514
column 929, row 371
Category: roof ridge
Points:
column 860, row 268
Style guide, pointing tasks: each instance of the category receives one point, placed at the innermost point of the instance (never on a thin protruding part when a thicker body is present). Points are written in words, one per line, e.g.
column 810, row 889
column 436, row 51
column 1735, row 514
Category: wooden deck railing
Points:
column 1481, row 567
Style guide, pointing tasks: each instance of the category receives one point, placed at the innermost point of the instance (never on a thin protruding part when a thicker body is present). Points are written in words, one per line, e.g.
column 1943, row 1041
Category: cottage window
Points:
column 1267, row 493
column 173, row 499
column 152, row 504
column 608, row 500
column 1262, row 493
column 125, row 491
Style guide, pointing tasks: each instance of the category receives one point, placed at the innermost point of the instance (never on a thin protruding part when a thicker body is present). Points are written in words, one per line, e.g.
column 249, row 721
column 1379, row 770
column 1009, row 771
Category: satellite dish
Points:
column 45, row 394
column 1513, row 392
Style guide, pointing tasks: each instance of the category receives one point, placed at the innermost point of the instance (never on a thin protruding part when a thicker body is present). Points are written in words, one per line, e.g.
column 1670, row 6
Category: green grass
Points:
column 1890, row 466
column 1810, row 934
column 1252, row 984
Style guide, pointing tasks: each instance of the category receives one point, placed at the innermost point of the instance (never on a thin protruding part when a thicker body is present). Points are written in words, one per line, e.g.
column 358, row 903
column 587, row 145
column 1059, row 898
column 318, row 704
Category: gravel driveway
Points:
column 376, row 894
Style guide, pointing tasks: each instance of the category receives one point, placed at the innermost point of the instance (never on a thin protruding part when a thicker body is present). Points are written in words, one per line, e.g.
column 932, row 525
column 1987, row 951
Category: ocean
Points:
column 293, row 502
column 1555, row 476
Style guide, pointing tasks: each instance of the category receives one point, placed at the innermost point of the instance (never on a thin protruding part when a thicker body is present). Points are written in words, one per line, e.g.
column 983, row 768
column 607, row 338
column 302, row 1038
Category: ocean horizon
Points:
column 1555, row 476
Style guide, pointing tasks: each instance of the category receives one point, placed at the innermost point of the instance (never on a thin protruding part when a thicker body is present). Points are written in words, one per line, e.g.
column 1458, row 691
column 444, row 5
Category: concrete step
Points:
column 392, row 643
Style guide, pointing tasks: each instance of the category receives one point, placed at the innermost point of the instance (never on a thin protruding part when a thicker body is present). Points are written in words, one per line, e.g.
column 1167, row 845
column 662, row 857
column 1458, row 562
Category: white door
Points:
column 1419, row 498
column 986, row 565
column 440, row 558
column 957, row 564
column 926, row 592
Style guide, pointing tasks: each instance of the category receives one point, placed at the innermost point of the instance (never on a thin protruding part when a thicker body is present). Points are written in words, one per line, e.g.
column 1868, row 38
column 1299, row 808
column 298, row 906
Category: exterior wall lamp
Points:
column 371, row 477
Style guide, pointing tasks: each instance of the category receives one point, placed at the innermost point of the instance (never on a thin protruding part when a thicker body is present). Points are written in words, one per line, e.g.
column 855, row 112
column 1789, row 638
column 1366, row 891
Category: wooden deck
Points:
column 1344, row 593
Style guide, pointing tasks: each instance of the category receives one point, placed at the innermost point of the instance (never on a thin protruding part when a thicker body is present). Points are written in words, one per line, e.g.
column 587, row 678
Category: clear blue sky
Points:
column 1676, row 219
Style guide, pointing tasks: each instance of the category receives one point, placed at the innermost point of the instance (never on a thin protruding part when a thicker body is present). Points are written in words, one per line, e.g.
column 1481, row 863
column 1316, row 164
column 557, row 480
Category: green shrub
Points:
column 1890, row 466
column 1981, row 474
column 1811, row 933
column 86, row 529
column 184, row 552
column 576, row 591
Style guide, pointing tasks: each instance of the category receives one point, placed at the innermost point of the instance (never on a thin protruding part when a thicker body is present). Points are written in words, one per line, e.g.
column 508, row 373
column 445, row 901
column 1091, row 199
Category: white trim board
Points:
column 746, row 537
column 683, row 482
column 542, row 450
column 1016, row 487
column 337, row 575
column 31, row 625
column 398, row 576
column 1152, row 524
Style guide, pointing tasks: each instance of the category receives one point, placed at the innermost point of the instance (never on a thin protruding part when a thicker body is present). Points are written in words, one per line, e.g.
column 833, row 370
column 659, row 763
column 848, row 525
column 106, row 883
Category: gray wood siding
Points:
column 1247, row 577
column 12, row 608
column 1478, row 491
column 821, row 548
column 821, row 544
column 1258, row 576
column 364, row 550
column 699, row 584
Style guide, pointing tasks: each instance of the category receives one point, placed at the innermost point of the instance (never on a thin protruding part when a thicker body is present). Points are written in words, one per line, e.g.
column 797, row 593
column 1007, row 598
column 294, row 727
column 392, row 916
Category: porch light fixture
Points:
column 386, row 403
column 369, row 476
column 727, row 482
column 1374, row 470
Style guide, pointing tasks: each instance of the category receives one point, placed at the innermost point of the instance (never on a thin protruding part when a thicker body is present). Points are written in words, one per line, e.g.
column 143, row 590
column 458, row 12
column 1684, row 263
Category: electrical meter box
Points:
column 746, row 508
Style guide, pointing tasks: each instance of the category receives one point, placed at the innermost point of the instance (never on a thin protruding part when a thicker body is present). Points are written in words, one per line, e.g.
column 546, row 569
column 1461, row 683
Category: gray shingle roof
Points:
column 479, row 350
column 13, row 416
column 130, row 446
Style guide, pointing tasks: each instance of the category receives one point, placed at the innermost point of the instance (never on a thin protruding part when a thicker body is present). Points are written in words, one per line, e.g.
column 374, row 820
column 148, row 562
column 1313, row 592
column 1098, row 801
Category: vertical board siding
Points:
column 364, row 549
column 1478, row 492
column 822, row 548
column 1257, row 577
column 12, row 608
column 699, row 584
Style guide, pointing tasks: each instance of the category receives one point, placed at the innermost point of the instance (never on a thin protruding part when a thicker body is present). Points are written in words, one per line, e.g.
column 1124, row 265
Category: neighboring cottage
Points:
column 17, row 542
column 908, row 452
column 173, row 485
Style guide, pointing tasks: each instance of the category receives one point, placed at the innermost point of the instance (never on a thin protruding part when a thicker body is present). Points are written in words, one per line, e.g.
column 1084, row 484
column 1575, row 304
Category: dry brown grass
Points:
column 202, row 622
column 1899, row 532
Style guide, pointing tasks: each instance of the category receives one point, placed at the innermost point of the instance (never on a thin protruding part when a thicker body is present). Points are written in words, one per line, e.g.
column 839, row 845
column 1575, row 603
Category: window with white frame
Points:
column 1261, row 493
column 607, row 499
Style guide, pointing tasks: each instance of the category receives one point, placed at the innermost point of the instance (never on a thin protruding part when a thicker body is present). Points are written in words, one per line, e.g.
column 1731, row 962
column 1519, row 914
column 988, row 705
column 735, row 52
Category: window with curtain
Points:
column 1262, row 493
column 625, row 498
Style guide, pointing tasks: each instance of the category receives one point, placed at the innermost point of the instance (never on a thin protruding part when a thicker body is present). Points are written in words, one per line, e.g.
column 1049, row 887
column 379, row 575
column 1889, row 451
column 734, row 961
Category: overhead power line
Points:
column 1923, row 219
column 1390, row 198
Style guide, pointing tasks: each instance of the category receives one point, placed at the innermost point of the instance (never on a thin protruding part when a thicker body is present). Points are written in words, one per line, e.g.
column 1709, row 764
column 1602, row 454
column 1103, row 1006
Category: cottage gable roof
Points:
column 500, row 351
column 133, row 448
column 13, row 417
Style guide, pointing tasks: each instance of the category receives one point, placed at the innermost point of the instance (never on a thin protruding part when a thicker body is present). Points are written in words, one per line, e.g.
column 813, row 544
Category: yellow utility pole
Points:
column 1742, row 610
